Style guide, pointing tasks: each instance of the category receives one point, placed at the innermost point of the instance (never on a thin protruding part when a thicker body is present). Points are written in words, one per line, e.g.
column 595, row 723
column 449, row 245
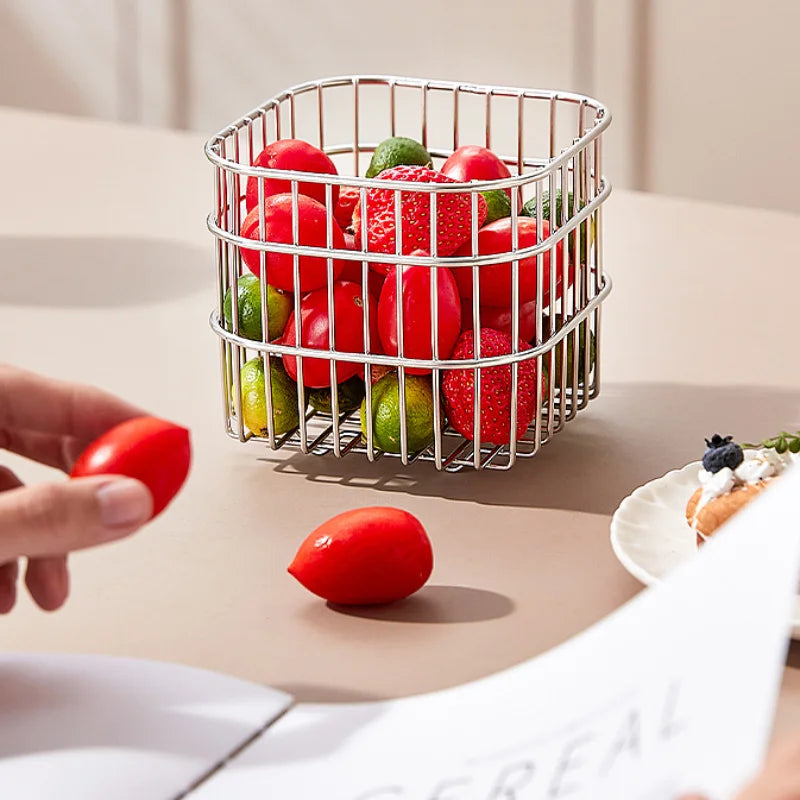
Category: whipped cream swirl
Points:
column 758, row 465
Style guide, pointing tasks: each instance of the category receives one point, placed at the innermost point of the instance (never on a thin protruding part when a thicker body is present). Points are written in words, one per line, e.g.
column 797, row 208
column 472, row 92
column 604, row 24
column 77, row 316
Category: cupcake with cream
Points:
column 732, row 476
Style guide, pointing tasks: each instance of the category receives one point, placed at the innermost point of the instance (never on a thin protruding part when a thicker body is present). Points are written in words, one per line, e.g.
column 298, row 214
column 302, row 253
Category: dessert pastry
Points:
column 732, row 476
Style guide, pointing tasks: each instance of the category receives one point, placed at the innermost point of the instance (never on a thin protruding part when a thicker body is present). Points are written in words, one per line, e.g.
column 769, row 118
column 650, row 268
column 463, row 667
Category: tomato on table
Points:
column 365, row 556
column 154, row 451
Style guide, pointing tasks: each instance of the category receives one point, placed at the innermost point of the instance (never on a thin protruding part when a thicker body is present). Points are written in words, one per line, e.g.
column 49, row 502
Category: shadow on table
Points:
column 437, row 604
column 629, row 435
column 83, row 272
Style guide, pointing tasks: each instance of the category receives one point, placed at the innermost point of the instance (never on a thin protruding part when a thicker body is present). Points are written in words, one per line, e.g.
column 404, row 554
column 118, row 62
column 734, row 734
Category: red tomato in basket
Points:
column 154, row 451
column 500, row 319
column 473, row 163
column 312, row 232
column 295, row 155
column 365, row 556
column 495, row 279
column 417, row 313
column 348, row 312
column 352, row 270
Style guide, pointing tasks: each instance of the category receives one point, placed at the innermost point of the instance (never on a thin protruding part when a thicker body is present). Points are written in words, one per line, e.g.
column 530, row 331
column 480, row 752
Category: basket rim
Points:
column 213, row 145
column 275, row 348
column 544, row 244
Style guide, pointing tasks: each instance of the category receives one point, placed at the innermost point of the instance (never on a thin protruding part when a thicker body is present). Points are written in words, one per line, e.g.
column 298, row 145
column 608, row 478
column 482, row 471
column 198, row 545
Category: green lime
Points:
column 279, row 306
column 386, row 413
column 570, row 339
column 349, row 392
column 285, row 413
column 394, row 152
column 529, row 210
column 498, row 205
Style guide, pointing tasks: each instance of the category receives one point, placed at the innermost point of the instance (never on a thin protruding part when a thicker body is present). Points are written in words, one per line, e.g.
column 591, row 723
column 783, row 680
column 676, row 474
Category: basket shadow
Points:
column 86, row 272
column 437, row 605
column 620, row 441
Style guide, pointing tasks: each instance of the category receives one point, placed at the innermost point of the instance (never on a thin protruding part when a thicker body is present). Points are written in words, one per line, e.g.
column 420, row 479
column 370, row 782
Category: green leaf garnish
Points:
column 781, row 443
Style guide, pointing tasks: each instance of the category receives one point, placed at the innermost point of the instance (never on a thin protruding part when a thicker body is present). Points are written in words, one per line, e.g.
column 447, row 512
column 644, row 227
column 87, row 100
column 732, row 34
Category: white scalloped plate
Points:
column 649, row 534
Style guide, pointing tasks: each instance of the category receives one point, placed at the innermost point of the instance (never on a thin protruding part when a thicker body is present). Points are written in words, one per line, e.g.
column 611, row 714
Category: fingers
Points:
column 8, row 585
column 54, row 519
column 8, row 479
column 47, row 580
column 31, row 402
column 46, row 448
column 10, row 570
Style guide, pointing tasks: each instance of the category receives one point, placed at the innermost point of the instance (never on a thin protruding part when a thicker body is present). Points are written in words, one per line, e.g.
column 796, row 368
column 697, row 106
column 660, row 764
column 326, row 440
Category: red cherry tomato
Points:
column 500, row 319
column 473, row 163
column 417, row 312
column 365, row 556
column 349, row 331
column 495, row 279
column 154, row 451
column 291, row 154
column 312, row 232
column 352, row 272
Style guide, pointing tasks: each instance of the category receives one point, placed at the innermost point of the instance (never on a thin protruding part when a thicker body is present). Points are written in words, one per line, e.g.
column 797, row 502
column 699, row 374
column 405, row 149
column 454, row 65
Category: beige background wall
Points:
column 703, row 92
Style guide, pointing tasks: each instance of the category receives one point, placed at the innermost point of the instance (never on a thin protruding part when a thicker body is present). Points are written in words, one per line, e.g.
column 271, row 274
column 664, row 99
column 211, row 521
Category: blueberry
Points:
column 722, row 452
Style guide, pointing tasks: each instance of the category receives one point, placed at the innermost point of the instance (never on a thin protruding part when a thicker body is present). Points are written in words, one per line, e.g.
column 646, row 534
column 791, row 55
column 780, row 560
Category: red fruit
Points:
column 152, row 450
column 365, row 556
column 499, row 319
column 453, row 216
column 458, row 387
column 416, row 305
column 348, row 313
column 348, row 197
column 352, row 272
column 312, row 232
column 473, row 163
column 296, row 155
column 495, row 279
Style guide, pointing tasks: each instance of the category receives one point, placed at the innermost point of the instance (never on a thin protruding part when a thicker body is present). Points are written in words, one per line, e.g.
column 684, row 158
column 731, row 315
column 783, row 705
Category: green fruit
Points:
column 386, row 413
column 498, row 205
column 279, row 306
column 396, row 151
column 285, row 413
column 570, row 339
column 349, row 392
column 529, row 210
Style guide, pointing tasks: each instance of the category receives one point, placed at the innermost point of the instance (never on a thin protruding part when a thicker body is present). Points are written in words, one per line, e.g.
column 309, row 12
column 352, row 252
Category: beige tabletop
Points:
column 107, row 276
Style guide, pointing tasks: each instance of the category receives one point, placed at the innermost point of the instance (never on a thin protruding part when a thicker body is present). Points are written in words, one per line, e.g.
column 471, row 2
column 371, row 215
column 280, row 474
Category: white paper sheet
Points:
column 675, row 691
column 96, row 728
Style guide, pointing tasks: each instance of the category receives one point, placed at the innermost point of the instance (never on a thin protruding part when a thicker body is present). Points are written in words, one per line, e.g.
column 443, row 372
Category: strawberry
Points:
column 453, row 216
column 343, row 212
column 458, row 387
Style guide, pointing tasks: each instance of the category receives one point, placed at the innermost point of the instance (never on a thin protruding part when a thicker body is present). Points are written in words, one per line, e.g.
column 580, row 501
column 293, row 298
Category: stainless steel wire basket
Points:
column 551, row 143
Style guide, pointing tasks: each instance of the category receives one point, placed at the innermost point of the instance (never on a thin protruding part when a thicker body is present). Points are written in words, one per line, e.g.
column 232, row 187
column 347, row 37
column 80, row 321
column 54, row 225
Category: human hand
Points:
column 52, row 422
column 778, row 780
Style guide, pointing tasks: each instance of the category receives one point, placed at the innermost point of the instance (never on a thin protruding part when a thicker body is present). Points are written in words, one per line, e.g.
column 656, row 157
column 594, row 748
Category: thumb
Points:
column 56, row 518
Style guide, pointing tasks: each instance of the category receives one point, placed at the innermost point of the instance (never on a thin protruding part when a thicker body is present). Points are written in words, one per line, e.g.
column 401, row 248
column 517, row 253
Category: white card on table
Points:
column 675, row 691
column 96, row 728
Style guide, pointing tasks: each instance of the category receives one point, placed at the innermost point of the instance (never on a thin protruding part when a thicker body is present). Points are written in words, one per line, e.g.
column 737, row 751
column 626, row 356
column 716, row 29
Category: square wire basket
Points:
column 551, row 143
